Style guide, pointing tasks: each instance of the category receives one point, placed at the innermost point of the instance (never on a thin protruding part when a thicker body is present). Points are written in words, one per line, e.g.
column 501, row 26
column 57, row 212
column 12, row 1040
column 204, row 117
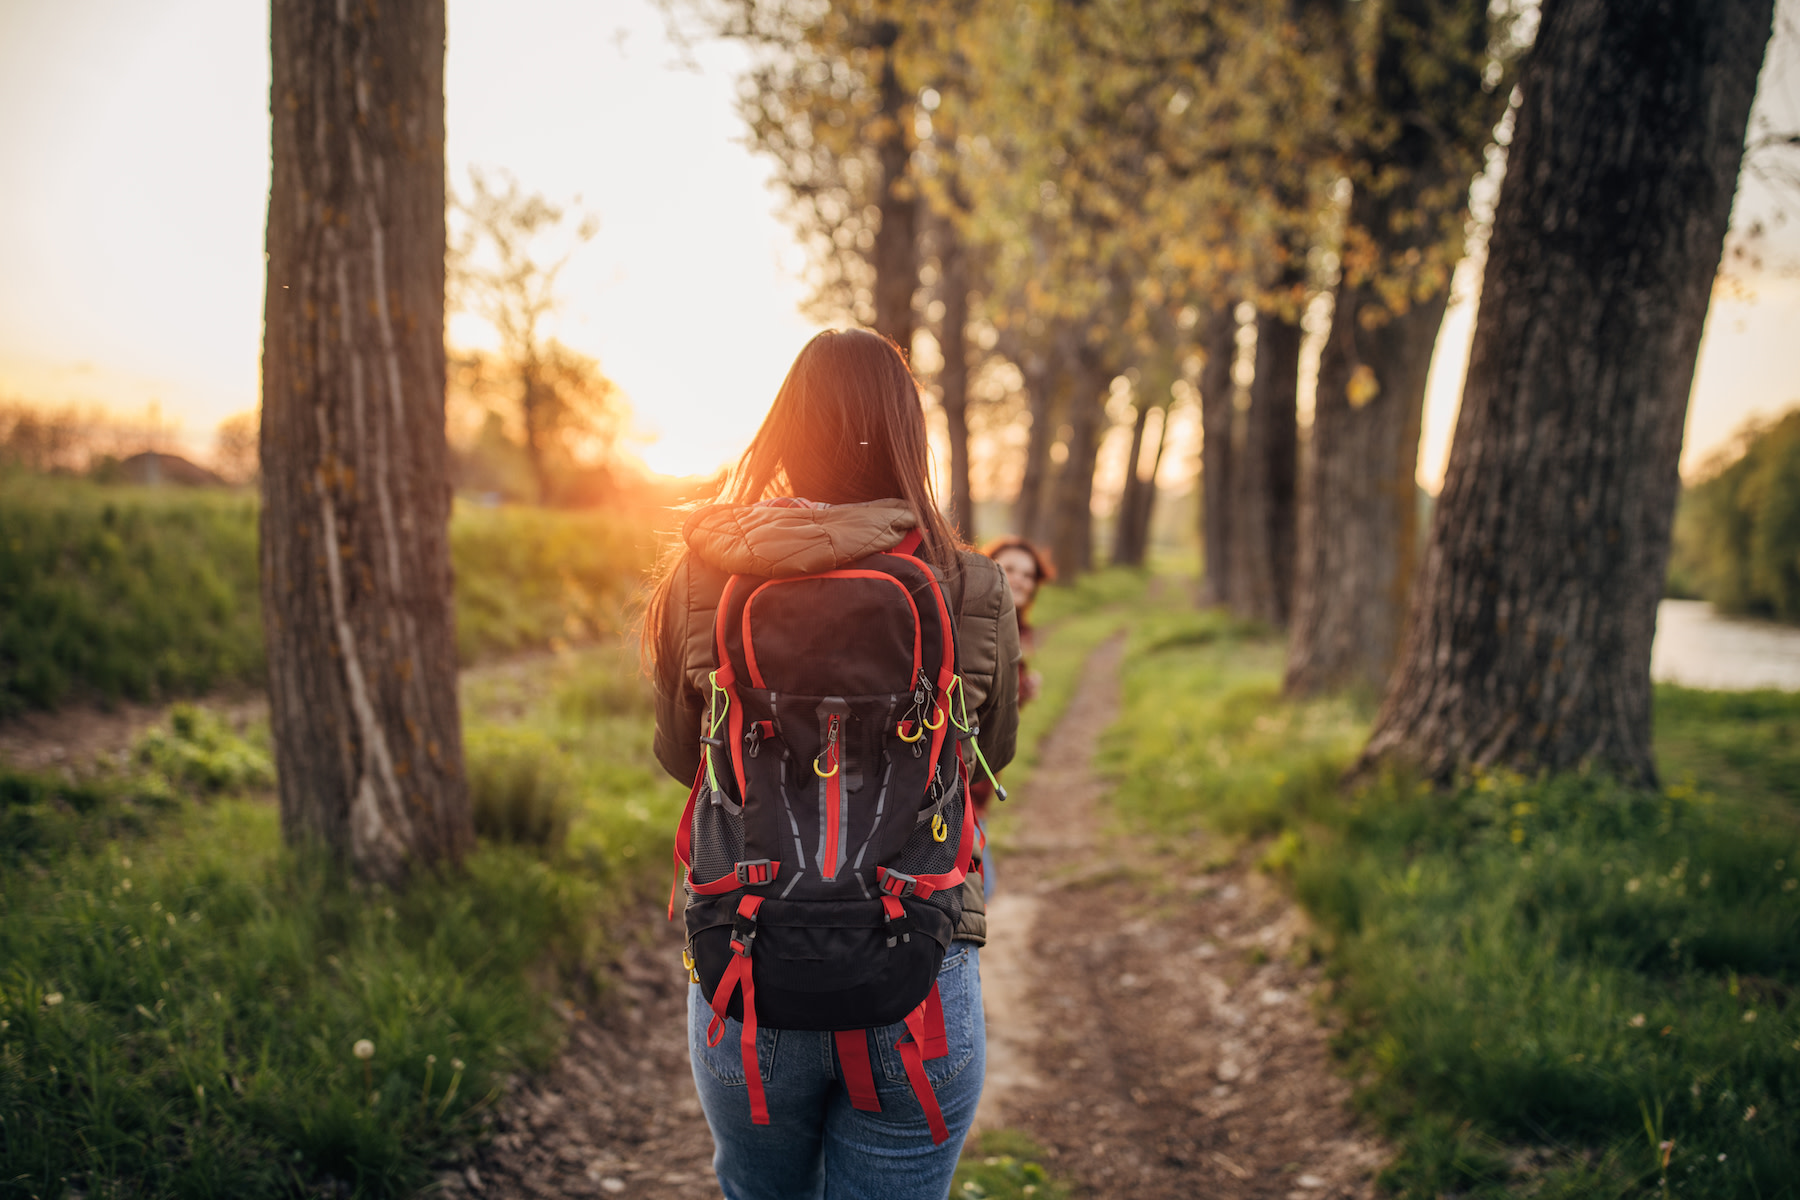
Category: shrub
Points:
column 1737, row 533
column 519, row 787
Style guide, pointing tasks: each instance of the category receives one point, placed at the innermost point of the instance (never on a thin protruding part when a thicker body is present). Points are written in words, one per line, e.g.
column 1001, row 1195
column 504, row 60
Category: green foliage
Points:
column 1737, row 534
column 44, row 814
column 529, row 578
column 181, row 998
column 1004, row 1164
column 123, row 591
column 518, row 787
column 1564, row 963
column 145, row 593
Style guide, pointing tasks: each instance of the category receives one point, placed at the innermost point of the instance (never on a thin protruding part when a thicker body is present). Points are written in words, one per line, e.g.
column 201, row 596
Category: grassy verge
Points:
column 182, row 999
column 1557, row 987
column 1072, row 622
column 147, row 593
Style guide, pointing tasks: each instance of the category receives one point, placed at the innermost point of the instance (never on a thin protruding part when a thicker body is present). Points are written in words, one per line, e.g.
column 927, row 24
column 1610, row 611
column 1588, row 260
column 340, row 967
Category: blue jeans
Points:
column 816, row 1146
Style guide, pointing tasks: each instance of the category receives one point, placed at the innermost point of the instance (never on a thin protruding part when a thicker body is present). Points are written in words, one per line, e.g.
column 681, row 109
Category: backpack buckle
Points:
column 896, row 883
column 743, row 932
column 757, row 870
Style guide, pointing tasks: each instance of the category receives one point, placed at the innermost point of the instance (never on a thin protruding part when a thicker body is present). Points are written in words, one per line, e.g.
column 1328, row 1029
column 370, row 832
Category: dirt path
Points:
column 617, row 1115
column 1145, row 1025
column 1146, row 1022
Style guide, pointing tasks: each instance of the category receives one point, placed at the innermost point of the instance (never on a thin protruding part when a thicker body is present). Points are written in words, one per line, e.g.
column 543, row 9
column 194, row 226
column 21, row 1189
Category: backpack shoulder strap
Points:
column 910, row 543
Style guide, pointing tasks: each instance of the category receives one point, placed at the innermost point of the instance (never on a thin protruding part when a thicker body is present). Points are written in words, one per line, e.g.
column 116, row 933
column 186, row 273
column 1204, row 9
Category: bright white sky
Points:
column 135, row 144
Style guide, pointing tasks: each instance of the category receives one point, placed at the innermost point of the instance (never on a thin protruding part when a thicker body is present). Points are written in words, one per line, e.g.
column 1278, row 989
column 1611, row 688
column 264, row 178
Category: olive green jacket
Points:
column 723, row 540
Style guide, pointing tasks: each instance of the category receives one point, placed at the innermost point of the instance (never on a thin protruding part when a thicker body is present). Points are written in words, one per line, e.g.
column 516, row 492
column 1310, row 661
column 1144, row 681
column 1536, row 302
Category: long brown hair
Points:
column 846, row 427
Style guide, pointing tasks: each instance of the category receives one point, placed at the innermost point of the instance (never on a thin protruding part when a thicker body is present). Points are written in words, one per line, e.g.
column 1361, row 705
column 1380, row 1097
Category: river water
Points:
column 1699, row 648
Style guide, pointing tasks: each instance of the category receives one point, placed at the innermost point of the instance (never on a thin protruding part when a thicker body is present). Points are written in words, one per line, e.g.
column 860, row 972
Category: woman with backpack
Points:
column 831, row 667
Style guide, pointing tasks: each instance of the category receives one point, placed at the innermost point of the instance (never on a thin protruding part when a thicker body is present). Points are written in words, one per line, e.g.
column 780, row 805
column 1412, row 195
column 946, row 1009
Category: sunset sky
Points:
column 135, row 144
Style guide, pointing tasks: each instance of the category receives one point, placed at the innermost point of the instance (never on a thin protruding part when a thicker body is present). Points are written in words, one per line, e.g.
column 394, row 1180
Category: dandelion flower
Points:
column 1750, row 1016
column 456, row 1064
column 1638, row 1021
column 126, row 884
column 364, row 1049
column 53, row 999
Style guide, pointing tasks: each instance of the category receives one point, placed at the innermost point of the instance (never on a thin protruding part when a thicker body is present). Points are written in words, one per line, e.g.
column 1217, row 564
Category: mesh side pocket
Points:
column 923, row 854
column 718, row 841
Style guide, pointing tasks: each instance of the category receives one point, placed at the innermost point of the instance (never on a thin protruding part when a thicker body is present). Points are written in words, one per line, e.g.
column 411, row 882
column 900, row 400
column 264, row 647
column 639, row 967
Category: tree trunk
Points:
column 1264, row 449
column 895, row 256
column 1123, row 552
column 954, row 378
column 1358, row 550
column 1072, row 525
column 356, row 578
column 1219, row 342
column 1356, row 555
column 1040, row 392
column 1145, row 512
column 1530, row 638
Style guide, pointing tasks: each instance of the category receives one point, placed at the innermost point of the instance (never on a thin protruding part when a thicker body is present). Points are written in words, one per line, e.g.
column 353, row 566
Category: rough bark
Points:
column 895, row 255
column 1124, row 552
column 1357, row 550
column 1357, row 544
column 954, row 378
column 1219, row 342
column 1072, row 516
column 356, row 579
column 1264, row 452
column 1040, row 391
column 1532, row 622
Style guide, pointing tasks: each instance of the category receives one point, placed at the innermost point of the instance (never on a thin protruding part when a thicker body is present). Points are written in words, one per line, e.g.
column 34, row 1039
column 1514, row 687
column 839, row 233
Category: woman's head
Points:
column 1025, row 567
column 846, row 426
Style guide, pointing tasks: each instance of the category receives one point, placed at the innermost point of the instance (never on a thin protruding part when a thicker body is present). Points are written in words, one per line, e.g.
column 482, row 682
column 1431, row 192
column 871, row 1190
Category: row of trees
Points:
column 1088, row 192
column 1099, row 191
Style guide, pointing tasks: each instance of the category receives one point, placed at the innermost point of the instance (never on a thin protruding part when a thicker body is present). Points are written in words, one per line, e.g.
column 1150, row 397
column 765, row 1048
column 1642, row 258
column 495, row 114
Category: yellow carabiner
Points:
column 824, row 774
column 901, row 730
column 941, row 713
column 940, row 828
column 687, row 960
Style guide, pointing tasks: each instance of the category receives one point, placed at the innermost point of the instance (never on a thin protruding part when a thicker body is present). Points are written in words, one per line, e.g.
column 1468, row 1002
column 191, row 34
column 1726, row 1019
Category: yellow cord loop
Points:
column 715, row 718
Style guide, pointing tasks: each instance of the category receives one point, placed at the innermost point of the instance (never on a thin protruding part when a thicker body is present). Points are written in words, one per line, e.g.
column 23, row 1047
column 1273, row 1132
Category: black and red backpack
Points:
column 828, row 833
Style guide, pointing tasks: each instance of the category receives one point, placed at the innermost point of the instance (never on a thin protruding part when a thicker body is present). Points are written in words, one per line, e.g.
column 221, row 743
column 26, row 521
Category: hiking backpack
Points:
column 828, row 831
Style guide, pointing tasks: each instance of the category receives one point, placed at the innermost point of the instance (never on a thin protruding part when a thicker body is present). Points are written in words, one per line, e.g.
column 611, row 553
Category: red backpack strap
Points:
column 859, row 1079
column 910, row 543
column 684, row 837
column 738, row 974
column 913, row 1052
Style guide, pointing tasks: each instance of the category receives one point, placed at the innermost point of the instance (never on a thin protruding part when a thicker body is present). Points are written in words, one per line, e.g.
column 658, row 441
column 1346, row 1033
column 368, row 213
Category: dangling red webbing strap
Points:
column 859, row 1079
column 738, row 974
column 912, row 1057
column 936, row 1044
column 684, row 834
column 910, row 543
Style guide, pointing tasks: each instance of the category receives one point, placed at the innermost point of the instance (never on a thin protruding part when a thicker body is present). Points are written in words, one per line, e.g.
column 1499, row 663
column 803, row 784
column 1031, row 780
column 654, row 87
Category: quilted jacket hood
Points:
column 778, row 541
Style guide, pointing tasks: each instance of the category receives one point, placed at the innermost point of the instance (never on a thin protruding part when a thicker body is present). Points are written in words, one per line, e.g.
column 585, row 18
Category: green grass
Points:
column 1004, row 1164
column 1543, row 980
column 181, row 996
column 123, row 592
column 114, row 592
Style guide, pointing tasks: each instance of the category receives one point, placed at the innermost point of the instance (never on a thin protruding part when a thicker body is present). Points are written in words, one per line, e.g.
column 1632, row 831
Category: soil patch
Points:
column 1147, row 1021
column 1147, row 1024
